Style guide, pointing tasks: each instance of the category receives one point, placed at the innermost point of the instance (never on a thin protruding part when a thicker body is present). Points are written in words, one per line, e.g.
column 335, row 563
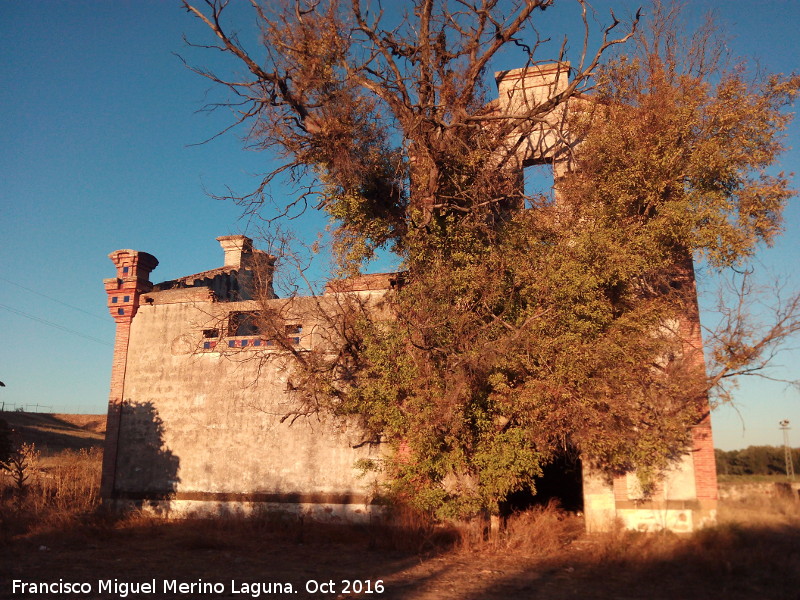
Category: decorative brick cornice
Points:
column 133, row 279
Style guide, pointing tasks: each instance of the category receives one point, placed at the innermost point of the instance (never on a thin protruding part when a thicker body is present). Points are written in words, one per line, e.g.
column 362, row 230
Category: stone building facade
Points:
column 200, row 401
column 200, row 395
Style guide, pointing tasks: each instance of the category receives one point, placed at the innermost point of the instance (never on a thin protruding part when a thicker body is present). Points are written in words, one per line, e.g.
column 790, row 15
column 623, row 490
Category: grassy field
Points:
column 54, row 433
column 56, row 532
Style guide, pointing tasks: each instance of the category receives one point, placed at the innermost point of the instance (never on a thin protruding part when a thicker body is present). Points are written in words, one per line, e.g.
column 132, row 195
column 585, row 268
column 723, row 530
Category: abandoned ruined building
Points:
column 197, row 424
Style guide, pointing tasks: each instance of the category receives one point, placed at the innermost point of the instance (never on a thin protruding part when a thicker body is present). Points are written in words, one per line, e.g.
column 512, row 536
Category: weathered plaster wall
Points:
column 673, row 505
column 204, row 425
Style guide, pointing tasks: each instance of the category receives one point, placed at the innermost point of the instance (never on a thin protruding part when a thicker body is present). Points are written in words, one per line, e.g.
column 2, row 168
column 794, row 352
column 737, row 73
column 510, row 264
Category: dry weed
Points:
column 56, row 497
column 538, row 531
column 408, row 530
column 542, row 530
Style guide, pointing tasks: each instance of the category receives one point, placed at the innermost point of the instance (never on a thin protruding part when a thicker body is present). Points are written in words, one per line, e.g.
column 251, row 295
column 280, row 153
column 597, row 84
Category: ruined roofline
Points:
column 365, row 283
column 244, row 270
column 553, row 77
column 543, row 73
column 188, row 280
column 224, row 270
column 242, row 259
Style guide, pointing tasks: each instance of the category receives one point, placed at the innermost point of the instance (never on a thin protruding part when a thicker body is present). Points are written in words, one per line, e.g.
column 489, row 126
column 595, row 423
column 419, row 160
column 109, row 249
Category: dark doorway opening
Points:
column 561, row 481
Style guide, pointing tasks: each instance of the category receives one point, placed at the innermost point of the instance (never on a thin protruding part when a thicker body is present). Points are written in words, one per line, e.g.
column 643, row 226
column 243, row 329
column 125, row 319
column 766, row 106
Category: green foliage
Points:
column 523, row 327
column 681, row 163
column 755, row 460
column 510, row 343
column 522, row 332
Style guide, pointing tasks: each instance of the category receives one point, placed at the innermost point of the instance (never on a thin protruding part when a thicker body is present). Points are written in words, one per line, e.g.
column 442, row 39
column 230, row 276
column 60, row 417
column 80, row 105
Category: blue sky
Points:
column 98, row 152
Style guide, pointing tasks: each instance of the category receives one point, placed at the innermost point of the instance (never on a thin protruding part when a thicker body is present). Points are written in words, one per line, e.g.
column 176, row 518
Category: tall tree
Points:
column 387, row 113
column 525, row 326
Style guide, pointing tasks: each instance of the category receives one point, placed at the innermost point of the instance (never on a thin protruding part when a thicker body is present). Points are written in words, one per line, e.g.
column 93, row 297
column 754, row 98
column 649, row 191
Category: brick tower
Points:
column 124, row 290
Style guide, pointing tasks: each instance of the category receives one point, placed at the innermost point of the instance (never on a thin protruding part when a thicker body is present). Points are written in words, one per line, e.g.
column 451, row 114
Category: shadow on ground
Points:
column 730, row 561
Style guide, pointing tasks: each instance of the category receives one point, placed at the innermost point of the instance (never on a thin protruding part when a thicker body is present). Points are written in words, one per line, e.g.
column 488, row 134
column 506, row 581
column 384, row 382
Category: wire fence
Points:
column 50, row 409
column 34, row 408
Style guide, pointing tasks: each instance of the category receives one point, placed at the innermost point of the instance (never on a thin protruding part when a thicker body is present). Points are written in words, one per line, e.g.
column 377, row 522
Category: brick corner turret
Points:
column 123, row 291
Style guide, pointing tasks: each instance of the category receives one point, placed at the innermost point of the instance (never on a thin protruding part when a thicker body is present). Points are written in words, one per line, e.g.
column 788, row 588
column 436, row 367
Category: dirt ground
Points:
column 730, row 562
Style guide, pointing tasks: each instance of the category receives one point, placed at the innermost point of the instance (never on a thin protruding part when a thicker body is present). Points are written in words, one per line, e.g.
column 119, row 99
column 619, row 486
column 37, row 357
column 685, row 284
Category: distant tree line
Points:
column 755, row 460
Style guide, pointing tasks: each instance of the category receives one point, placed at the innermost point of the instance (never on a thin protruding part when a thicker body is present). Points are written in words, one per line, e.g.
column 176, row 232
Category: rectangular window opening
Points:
column 539, row 184
column 244, row 323
column 210, row 333
column 294, row 330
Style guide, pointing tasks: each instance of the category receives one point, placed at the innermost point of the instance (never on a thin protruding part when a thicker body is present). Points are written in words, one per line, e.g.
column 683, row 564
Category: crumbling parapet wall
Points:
column 520, row 93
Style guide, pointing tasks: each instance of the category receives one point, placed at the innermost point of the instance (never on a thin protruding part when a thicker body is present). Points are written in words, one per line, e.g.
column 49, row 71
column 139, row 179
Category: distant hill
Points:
column 53, row 433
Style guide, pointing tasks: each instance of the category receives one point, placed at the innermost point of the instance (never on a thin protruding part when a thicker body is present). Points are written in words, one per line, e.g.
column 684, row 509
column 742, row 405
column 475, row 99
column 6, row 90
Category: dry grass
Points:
column 762, row 509
column 539, row 531
column 542, row 531
column 754, row 552
column 62, row 491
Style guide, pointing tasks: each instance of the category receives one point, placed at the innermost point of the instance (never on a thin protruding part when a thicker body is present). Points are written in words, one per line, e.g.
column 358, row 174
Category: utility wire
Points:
column 56, row 325
column 86, row 312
